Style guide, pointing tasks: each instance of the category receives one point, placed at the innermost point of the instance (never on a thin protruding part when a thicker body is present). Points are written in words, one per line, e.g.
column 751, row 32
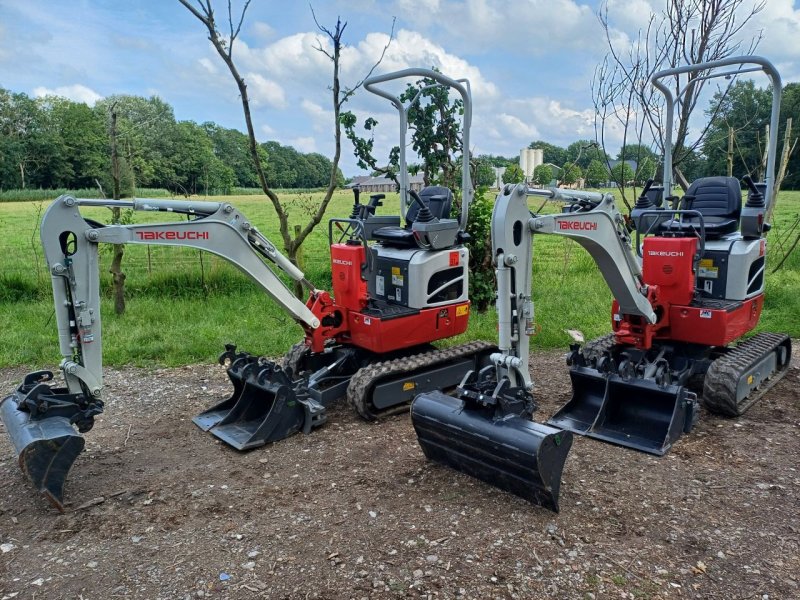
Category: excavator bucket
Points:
column 46, row 447
column 266, row 405
column 512, row 453
column 239, row 364
column 635, row 413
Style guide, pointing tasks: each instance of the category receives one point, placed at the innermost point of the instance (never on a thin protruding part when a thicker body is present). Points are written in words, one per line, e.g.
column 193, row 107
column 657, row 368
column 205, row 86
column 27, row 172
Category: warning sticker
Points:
column 707, row 269
column 379, row 286
column 462, row 311
column 409, row 385
column 397, row 277
column 705, row 314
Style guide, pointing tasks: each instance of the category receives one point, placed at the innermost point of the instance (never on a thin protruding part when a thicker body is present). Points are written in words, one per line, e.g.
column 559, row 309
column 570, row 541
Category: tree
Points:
column 85, row 142
column 513, row 174
column 146, row 133
column 596, row 174
column 743, row 112
column 542, row 175
column 622, row 174
column 684, row 33
column 584, row 152
column 224, row 45
column 570, row 174
column 790, row 109
column 645, row 169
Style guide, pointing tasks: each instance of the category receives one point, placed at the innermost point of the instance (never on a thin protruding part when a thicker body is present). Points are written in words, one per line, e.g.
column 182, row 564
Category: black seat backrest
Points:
column 715, row 197
column 437, row 198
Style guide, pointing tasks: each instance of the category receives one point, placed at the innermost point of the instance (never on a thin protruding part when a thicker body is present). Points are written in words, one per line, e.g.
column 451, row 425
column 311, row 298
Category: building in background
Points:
column 529, row 159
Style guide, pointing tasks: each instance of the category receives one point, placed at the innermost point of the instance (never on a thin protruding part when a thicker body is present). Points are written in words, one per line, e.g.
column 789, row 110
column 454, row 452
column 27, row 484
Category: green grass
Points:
column 178, row 313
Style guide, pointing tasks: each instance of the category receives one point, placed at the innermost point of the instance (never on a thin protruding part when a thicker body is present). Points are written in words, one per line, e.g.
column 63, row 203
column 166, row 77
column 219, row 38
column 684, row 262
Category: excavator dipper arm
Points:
column 40, row 418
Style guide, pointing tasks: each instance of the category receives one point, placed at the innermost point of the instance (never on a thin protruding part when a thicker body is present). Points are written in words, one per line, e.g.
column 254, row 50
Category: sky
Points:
column 529, row 62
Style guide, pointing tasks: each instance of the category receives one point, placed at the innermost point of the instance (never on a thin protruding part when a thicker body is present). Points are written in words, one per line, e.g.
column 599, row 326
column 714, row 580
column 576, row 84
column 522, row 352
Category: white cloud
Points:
column 263, row 30
column 267, row 130
column 517, row 127
column 208, row 65
column 76, row 92
column 265, row 92
column 304, row 144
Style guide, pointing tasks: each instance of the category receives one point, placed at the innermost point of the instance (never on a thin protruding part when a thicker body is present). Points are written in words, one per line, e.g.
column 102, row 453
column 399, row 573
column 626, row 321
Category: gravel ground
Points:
column 159, row 509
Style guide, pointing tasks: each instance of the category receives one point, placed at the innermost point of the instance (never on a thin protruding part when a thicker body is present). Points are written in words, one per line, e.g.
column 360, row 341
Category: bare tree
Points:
column 224, row 43
column 687, row 32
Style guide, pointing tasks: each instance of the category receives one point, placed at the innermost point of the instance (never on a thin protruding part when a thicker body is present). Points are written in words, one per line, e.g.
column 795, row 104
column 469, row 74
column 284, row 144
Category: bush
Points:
column 482, row 282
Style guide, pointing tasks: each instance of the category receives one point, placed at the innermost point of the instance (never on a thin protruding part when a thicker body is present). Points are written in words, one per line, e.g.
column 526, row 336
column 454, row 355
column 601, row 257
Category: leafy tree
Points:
column 570, row 174
column 596, row 174
column 513, row 174
column 584, row 152
column 622, row 174
column 645, row 169
column 146, row 136
column 790, row 109
column 745, row 109
column 231, row 147
column 85, row 142
column 542, row 175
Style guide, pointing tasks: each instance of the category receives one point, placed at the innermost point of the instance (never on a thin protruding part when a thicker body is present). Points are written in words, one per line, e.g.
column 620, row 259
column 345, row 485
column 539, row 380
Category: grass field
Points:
column 183, row 309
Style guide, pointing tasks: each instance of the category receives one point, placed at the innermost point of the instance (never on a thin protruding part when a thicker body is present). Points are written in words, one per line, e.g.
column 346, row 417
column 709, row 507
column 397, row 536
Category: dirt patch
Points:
column 355, row 511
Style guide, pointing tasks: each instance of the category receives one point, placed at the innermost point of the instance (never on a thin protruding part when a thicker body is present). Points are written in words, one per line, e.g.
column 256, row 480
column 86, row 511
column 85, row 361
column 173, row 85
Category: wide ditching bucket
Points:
column 266, row 405
column 46, row 447
column 509, row 452
column 633, row 412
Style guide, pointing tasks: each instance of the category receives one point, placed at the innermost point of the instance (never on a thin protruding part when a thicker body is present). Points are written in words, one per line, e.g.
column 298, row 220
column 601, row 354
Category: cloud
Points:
column 304, row 144
column 76, row 92
column 208, row 65
column 265, row 92
column 263, row 30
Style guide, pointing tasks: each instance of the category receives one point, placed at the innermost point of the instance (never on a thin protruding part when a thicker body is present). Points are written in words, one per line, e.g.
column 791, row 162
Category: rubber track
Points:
column 722, row 379
column 597, row 347
column 358, row 392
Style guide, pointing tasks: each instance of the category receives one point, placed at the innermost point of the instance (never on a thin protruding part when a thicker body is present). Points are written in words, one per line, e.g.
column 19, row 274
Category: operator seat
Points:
column 439, row 201
column 718, row 199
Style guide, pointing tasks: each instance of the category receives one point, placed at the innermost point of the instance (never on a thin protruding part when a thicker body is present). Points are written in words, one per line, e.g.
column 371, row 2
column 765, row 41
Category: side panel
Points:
column 386, row 335
column 668, row 264
column 710, row 327
column 349, row 289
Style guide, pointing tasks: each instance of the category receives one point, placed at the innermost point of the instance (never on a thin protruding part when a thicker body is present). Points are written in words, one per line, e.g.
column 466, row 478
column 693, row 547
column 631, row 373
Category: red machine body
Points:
column 668, row 270
column 346, row 317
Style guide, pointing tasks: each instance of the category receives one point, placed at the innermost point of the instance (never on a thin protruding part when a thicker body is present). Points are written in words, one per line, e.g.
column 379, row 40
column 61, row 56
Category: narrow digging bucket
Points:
column 514, row 454
column 266, row 410
column 635, row 413
column 238, row 365
column 46, row 448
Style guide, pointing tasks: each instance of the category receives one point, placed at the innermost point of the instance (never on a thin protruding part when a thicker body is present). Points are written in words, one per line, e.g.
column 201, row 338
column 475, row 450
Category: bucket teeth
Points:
column 509, row 452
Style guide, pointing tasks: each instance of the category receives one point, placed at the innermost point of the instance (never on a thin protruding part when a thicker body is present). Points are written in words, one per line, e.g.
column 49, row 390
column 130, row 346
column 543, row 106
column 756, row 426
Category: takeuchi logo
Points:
column 172, row 235
column 578, row 225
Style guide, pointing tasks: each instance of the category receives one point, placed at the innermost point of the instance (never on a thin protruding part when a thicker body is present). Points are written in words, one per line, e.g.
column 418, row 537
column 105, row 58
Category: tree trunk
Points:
column 117, row 276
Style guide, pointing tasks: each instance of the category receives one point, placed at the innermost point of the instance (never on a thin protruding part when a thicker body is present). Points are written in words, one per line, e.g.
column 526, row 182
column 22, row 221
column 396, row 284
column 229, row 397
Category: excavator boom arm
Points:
column 71, row 249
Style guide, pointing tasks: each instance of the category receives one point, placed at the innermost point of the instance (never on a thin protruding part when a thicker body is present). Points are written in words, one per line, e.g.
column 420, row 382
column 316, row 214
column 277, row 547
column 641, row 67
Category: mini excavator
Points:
column 399, row 283
column 694, row 285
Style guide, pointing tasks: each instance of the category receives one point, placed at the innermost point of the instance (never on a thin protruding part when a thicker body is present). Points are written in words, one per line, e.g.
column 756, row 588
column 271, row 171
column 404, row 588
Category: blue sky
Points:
column 530, row 62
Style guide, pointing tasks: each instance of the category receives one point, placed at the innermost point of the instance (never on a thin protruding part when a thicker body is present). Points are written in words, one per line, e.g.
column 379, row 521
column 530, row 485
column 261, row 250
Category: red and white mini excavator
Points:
column 399, row 283
column 694, row 284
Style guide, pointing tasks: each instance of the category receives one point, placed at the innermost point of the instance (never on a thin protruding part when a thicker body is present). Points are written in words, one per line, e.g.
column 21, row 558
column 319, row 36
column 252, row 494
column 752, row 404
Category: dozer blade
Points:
column 47, row 448
column 512, row 453
column 266, row 410
column 635, row 413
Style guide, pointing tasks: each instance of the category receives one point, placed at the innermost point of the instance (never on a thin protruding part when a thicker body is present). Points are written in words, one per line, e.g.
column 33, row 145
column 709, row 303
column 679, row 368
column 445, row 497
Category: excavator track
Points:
column 594, row 349
column 405, row 372
column 728, row 391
